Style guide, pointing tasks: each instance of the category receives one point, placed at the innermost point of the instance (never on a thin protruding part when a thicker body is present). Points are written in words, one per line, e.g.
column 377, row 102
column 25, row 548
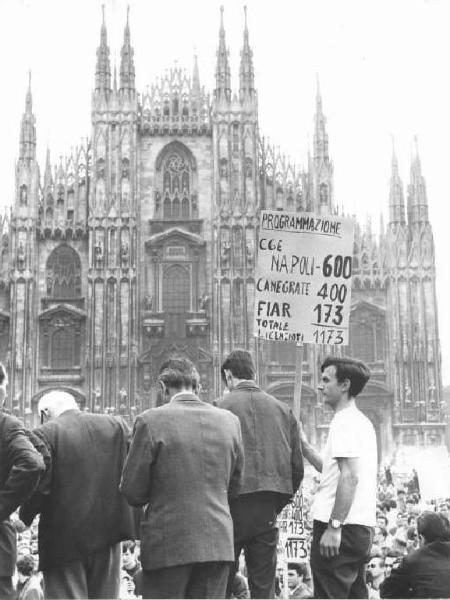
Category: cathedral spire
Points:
column 196, row 77
column 48, row 179
column 223, row 77
column 115, row 78
column 246, row 72
column 321, row 167
column 320, row 134
column 103, row 67
column 417, row 194
column 27, row 150
column 127, row 70
column 396, row 199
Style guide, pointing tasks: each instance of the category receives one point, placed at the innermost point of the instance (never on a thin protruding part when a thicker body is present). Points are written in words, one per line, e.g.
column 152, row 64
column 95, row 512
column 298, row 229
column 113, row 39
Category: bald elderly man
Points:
column 84, row 518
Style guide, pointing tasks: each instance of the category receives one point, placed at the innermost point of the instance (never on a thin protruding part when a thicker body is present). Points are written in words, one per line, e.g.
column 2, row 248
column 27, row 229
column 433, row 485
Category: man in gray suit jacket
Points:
column 185, row 461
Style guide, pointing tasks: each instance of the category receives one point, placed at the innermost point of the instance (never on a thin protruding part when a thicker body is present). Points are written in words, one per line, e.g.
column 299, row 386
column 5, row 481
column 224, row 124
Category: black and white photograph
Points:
column 224, row 349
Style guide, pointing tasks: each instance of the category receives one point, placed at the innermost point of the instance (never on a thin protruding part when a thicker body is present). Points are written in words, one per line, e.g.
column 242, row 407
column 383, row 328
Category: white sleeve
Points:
column 345, row 440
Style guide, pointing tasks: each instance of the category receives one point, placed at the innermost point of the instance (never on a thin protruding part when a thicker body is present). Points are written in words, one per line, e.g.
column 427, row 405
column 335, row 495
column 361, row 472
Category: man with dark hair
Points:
column 185, row 461
column 382, row 520
column 425, row 572
column 83, row 516
column 131, row 565
column 375, row 575
column 297, row 581
column 20, row 468
column 28, row 584
column 273, row 470
column 344, row 507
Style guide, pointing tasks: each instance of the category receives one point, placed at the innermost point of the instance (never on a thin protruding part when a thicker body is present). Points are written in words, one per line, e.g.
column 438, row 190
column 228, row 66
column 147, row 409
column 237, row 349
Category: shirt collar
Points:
column 246, row 383
column 182, row 396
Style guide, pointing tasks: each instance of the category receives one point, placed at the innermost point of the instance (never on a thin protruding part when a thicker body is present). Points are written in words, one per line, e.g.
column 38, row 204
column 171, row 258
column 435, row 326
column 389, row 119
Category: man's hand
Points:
column 330, row 542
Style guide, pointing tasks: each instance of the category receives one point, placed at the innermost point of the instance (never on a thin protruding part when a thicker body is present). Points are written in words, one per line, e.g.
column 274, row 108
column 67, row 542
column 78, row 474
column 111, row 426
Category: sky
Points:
column 383, row 67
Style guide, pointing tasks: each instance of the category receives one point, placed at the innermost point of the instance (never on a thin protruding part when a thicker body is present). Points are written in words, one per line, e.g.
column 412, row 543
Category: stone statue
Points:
column 124, row 252
column 98, row 253
column 21, row 255
column 249, row 251
column 248, row 168
column 148, row 302
column 225, row 251
column 431, row 393
column 202, row 302
column 23, row 195
column 194, row 204
column 223, row 168
column 123, row 396
column 407, row 394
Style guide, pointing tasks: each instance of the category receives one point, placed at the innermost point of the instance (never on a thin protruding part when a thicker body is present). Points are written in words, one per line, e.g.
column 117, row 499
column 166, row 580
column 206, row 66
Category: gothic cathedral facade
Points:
column 142, row 244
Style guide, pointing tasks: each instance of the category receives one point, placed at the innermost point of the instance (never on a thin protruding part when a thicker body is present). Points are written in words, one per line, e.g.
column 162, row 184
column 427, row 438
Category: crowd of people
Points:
column 186, row 505
column 399, row 505
column 396, row 537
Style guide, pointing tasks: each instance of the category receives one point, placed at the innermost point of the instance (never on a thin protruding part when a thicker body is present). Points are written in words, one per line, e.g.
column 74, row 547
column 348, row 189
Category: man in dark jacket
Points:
column 273, row 470
column 83, row 515
column 425, row 573
column 185, row 460
column 20, row 468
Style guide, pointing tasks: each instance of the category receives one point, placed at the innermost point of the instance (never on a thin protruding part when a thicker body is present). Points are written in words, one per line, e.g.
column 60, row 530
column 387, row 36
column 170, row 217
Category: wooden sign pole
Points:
column 296, row 405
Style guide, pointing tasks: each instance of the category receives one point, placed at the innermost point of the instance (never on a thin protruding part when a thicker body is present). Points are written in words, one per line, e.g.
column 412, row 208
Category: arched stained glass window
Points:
column 176, row 208
column 176, row 170
column 167, row 208
column 185, row 208
column 63, row 273
column 175, row 178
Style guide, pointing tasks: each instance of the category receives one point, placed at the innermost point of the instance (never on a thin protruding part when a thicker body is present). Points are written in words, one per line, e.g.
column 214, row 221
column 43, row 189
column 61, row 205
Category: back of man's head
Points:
column 54, row 403
column 240, row 363
column 25, row 565
column 434, row 527
column 178, row 374
column 356, row 371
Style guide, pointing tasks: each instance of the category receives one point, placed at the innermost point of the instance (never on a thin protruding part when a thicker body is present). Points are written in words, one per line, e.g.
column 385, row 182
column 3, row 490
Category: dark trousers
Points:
column 196, row 580
column 344, row 575
column 96, row 576
column 255, row 532
column 6, row 588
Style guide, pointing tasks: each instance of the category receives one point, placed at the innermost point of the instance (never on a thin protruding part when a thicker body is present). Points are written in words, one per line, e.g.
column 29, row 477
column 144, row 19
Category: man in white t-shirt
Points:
column 344, row 507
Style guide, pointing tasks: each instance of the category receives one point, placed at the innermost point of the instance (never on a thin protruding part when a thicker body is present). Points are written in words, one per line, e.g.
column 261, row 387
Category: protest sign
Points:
column 292, row 534
column 433, row 486
column 303, row 278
